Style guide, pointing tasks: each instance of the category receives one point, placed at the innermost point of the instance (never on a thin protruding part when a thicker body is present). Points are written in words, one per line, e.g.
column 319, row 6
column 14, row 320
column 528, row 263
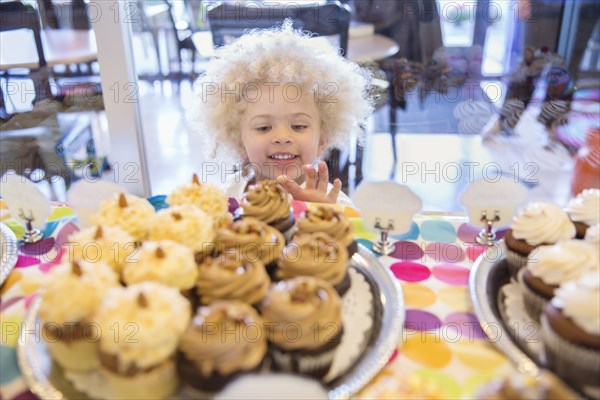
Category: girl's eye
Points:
column 299, row 127
column 265, row 128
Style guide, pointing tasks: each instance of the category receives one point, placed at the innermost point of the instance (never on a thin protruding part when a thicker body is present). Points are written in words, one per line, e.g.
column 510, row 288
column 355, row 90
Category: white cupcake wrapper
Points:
column 306, row 363
column 577, row 364
column 534, row 303
column 81, row 355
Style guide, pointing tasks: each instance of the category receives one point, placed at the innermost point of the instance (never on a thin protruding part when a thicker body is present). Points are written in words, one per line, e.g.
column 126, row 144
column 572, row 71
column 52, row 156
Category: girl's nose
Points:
column 281, row 136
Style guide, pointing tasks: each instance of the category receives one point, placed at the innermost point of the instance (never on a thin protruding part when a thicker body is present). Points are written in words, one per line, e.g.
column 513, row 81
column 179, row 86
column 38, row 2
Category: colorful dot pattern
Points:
column 442, row 343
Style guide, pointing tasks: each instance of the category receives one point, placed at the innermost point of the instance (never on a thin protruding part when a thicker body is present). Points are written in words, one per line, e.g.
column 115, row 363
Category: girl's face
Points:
column 281, row 131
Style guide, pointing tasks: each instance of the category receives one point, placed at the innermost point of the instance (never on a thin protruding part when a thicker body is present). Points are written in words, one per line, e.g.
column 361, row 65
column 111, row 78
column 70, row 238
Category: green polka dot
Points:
column 360, row 231
column 8, row 360
column 60, row 212
column 17, row 228
column 450, row 389
column 438, row 231
column 474, row 383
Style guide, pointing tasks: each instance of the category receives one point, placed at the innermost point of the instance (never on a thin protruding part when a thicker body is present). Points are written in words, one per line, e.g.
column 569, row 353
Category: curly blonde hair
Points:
column 284, row 56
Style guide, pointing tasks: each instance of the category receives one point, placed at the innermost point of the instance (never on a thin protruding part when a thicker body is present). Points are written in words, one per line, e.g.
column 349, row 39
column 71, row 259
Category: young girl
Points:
column 278, row 100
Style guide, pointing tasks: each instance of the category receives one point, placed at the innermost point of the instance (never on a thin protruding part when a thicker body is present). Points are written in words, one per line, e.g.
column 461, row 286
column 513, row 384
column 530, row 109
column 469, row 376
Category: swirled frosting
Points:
column 232, row 276
column 564, row 261
column 580, row 301
column 315, row 254
column 542, row 223
column 185, row 224
column 267, row 201
column 207, row 197
column 253, row 238
column 167, row 262
column 75, row 290
column 585, row 207
column 553, row 110
column 302, row 313
column 511, row 112
column 592, row 235
column 225, row 337
column 328, row 220
column 130, row 212
column 142, row 324
column 111, row 244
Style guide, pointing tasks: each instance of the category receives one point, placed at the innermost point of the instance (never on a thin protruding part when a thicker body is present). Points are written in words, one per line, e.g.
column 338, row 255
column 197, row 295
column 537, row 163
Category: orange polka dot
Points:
column 13, row 278
column 417, row 295
column 455, row 297
column 428, row 349
column 478, row 354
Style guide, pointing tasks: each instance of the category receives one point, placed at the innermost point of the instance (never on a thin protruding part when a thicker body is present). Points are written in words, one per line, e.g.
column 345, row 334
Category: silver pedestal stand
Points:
column 383, row 245
column 31, row 235
column 487, row 236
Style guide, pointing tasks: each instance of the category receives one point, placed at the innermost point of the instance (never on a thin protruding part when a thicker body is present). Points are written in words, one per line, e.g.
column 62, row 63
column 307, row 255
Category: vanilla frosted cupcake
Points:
column 130, row 212
column 110, row 244
column 315, row 254
column 584, row 210
column 571, row 331
column 232, row 276
column 313, row 308
column 549, row 266
column 592, row 235
column 332, row 222
column 207, row 197
column 185, row 224
column 144, row 323
column 254, row 239
column 269, row 202
column 223, row 340
column 70, row 299
column 538, row 224
column 166, row 262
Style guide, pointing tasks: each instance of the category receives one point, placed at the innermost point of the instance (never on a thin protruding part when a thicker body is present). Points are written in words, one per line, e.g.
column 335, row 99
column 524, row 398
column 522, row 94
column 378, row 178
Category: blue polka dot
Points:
column 438, row 231
column 412, row 234
column 369, row 245
column 8, row 360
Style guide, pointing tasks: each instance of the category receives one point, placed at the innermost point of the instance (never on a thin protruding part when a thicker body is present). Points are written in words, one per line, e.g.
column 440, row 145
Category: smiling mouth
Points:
column 282, row 157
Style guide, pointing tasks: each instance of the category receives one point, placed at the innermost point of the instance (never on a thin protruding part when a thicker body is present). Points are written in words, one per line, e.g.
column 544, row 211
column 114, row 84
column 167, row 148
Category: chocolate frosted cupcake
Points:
column 318, row 255
column 269, row 202
column 584, row 210
column 571, row 332
column 207, row 197
column 254, row 239
column 70, row 299
column 142, row 324
column 111, row 244
column 538, row 224
column 130, row 212
column 185, row 224
column 549, row 266
column 166, row 262
column 311, row 308
column 232, row 276
column 332, row 222
column 223, row 340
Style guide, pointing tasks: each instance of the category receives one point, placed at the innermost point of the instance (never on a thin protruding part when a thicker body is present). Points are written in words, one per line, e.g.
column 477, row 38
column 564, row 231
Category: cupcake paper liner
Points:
column 576, row 364
column 534, row 303
column 315, row 365
column 80, row 355
column 515, row 262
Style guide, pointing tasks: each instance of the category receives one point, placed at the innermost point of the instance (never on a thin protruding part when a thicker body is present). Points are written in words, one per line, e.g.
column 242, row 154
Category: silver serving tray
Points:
column 488, row 275
column 8, row 252
column 46, row 379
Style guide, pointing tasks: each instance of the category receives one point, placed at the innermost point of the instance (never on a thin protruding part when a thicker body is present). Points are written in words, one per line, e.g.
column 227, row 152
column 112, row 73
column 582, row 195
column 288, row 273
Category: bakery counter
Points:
column 442, row 352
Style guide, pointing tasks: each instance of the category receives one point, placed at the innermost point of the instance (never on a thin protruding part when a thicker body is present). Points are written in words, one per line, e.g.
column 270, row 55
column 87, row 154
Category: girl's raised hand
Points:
column 316, row 185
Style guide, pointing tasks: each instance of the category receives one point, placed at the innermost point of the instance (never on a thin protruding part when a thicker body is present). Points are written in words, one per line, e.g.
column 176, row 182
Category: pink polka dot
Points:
column 467, row 233
column 475, row 251
column 410, row 271
column 393, row 356
column 465, row 325
column 445, row 252
column 451, row 274
column 299, row 207
column 419, row 320
column 500, row 233
column 407, row 251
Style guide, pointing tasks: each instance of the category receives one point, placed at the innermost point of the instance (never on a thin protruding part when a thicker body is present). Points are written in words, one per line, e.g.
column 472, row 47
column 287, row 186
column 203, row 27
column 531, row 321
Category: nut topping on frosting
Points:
column 122, row 201
column 195, row 180
column 98, row 234
column 176, row 216
column 159, row 252
column 142, row 300
column 76, row 269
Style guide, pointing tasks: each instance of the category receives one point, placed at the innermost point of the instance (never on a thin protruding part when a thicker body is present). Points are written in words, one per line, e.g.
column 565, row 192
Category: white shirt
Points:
column 235, row 186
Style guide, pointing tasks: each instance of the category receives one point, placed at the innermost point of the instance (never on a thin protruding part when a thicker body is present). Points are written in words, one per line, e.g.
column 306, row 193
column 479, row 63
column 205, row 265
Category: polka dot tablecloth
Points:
column 442, row 346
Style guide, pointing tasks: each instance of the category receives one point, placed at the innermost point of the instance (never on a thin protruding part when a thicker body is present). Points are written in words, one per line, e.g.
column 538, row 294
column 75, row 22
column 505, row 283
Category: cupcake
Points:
column 269, row 202
column 519, row 386
column 142, row 324
column 332, row 222
column 592, row 235
column 223, row 340
column 207, row 197
column 69, row 302
column 549, row 266
column 185, row 224
column 254, row 239
column 315, row 254
column 571, row 331
column 130, row 212
column 273, row 386
column 166, row 262
column 232, row 276
column 110, row 244
column 584, row 210
column 538, row 224
column 303, row 320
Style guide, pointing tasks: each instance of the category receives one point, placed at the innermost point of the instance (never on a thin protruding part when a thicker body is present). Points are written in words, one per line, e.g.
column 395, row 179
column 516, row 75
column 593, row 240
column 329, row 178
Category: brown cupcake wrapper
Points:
column 314, row 365
column 515, row 262
column 534, row 303
column 578, row 365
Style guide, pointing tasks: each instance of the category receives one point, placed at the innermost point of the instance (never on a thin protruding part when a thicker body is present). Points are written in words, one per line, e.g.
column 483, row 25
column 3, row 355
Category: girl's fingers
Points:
column 311, row 176
column 335, row 190
column 323, row 178
column 290, row 185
